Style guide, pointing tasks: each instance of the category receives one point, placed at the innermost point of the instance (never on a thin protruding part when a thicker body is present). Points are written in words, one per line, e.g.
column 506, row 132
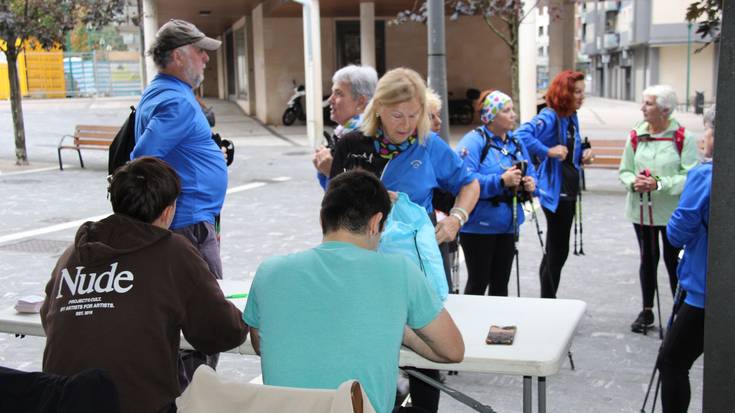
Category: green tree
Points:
column 43, row 23
column 707, row 14
column 503, row 18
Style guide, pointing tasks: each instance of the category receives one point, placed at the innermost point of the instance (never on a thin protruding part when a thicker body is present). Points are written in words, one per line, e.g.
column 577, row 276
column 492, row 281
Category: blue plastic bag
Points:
column 409, row 232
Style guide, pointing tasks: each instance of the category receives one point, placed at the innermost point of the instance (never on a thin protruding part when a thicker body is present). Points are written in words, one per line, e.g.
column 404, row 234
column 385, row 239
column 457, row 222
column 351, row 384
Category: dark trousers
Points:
column 558, row 228
column 684, row 343
column 89, row 391
column 650, row 253
column 424, row 396
column 489, row 259
column 203, row 236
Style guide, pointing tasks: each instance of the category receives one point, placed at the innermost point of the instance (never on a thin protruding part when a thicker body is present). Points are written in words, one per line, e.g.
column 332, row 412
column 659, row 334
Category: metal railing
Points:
column 90, row 74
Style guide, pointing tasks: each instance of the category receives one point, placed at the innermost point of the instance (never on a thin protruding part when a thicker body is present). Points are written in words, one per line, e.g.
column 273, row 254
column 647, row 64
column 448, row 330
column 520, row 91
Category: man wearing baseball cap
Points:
column 170, row 125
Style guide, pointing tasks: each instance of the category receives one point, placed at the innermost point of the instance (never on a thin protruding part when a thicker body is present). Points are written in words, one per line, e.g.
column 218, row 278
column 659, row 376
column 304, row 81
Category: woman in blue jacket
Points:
column 687, row 228
column 502, row 166
column 552, row 138
column 395, row 143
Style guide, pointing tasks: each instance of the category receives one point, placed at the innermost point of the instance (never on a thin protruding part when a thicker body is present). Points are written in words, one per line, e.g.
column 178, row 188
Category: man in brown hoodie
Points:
column 120, row 297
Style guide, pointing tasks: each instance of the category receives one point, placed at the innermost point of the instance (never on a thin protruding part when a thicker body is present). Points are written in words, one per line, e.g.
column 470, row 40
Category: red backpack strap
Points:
column 634, row 140
column 679, row 136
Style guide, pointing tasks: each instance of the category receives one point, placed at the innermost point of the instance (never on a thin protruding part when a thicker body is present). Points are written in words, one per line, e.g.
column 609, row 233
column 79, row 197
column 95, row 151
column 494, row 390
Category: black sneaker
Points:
column 643, row 323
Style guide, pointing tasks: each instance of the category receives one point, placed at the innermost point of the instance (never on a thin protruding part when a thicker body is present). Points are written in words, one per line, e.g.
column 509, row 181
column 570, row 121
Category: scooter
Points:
column 462, row 111
column 295, row 108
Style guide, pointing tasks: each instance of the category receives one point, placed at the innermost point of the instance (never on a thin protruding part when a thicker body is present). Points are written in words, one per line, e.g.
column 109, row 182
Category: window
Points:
column 241, row 57
column 541, row 30
column 541, row 51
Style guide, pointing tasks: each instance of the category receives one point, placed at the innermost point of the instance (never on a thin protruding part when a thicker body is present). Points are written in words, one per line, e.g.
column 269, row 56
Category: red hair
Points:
column 560, row 95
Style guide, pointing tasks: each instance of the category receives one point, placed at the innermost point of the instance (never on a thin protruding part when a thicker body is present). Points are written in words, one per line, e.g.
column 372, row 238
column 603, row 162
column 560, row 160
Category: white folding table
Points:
column 545, row 329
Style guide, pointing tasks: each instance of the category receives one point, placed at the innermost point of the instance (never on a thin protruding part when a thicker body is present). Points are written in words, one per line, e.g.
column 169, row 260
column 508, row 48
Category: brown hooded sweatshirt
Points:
column 119, row 298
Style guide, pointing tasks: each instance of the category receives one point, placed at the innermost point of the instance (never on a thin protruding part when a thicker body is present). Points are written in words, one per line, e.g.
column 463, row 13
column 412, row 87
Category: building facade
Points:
column 633, row 44
column 263, row 47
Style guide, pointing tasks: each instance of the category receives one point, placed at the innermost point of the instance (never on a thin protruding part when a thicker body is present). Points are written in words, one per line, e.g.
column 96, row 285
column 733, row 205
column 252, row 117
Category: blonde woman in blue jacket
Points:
column 495, row 157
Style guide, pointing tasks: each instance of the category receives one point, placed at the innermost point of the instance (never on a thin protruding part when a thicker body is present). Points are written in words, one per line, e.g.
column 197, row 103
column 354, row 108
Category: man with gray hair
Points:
column 170, row 125
column 352, row 88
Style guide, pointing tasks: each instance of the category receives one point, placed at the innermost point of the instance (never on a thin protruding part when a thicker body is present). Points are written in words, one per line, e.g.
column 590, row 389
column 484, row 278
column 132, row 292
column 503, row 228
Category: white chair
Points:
column 209, row 393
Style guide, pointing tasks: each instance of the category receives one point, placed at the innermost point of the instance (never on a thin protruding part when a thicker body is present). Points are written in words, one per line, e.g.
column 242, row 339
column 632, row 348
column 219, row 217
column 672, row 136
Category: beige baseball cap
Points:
column 176, row 33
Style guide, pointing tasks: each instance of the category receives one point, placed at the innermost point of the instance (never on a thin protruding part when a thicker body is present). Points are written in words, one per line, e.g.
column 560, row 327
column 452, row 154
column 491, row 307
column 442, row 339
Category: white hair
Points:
column 709, row 118
column 362, row 80
column 433, row 100
column 665, row 97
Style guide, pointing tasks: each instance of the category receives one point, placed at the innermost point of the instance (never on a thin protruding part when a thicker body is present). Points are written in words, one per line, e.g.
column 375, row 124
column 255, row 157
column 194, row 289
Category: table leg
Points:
column 527, row 395
column 542, row 395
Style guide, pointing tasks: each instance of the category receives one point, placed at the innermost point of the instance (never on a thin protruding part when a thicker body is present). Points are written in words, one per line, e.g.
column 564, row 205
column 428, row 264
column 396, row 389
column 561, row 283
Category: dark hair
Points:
column 560, row 95
column 143, row 188
column 353, row 198
column 161, row 55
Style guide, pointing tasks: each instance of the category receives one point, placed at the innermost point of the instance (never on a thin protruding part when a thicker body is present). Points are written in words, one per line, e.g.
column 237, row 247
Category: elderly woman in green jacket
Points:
column 658, row 154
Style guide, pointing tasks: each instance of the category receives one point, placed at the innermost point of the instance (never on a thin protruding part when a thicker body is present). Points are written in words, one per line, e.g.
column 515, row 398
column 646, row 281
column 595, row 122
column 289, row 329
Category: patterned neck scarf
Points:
column 352, row 124
column 389, row 150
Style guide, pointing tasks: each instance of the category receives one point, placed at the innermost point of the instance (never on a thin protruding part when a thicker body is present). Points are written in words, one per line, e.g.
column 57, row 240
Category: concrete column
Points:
column 526, row 108
column 606, row 76
column 313, row 70
column 150, row 27
column 261, row 97
column 221, row 72
column 367, row 34
column 561, row 36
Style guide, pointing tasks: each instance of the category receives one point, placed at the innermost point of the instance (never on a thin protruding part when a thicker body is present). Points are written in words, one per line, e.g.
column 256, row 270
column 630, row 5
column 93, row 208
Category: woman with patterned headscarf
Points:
column 501, row 164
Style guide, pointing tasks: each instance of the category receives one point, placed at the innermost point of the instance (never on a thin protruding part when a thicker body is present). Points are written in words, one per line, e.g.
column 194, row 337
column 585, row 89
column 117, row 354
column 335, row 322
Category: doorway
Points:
column 348, row 44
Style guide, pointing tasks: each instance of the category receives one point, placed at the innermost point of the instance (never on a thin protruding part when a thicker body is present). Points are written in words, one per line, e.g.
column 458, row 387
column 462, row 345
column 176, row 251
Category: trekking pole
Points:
column 642, row 242
column 455, row 267
column 581, row 242
column 534, row 216
column 575, row 230
column 675, row 308
column 654, row 241
column 515, row 242
column 538, row 227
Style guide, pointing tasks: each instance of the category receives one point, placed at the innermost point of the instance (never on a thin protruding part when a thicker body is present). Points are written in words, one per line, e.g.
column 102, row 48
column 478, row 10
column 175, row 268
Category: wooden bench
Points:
column 88, row 137
column 608, row 153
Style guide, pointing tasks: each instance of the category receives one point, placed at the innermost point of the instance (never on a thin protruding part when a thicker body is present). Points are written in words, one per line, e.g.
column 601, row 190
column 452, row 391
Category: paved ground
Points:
column 612, row 364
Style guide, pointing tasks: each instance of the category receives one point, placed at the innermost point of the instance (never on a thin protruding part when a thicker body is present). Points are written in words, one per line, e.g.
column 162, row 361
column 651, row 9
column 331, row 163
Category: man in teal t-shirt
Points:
column 339, row 311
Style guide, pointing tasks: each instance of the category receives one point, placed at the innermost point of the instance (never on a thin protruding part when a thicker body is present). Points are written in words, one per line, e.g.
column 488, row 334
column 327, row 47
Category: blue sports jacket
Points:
column 687, row 228
column 170, row 125
column 416, row 171
column 423, row 167
column 492, row 217
column 539, row 134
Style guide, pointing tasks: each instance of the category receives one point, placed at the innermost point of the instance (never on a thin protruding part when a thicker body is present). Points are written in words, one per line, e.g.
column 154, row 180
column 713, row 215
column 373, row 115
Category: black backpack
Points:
column 123, row 144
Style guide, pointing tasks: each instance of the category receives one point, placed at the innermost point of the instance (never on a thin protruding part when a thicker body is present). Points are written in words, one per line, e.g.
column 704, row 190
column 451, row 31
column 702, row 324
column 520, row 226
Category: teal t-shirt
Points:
column 334, row 313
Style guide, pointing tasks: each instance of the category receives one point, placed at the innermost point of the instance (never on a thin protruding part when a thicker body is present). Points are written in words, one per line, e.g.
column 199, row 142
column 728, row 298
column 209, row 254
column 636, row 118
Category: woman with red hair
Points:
column 552, row 137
